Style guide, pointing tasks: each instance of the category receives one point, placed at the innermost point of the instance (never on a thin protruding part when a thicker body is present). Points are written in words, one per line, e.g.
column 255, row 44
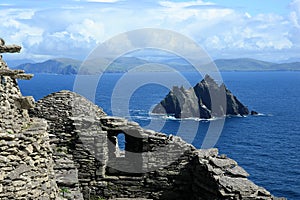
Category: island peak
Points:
column 197, row 101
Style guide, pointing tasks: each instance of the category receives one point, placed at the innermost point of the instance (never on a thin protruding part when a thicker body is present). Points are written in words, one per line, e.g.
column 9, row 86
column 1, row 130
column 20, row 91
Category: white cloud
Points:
column 295, row 13
column 247, row 15
column 86, row 31
column 14, row 30
column 17, row 13
column 5, row 4
column 294, row 19
column 215, row 42
column 74, row 29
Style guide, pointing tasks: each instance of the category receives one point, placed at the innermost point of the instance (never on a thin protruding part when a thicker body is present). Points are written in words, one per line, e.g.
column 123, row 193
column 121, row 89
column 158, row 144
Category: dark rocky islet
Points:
column 205, row 100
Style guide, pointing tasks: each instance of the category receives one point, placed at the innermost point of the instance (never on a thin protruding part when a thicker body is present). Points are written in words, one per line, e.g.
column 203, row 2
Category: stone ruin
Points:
column 13, row 104
column 26, row 165
column 67, row 148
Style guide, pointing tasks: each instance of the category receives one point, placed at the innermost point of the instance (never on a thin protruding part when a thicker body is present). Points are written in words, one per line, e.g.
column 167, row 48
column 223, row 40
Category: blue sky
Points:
column 267, row 30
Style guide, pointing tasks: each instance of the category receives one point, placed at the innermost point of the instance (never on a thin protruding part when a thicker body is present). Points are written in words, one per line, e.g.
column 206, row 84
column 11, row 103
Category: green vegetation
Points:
column 64, row 191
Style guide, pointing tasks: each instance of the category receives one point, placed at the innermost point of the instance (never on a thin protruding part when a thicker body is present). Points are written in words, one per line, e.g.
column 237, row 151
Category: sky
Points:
column 267, row 30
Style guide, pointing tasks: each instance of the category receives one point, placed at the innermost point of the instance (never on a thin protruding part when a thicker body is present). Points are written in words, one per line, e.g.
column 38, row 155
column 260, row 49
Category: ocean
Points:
column 267, row 146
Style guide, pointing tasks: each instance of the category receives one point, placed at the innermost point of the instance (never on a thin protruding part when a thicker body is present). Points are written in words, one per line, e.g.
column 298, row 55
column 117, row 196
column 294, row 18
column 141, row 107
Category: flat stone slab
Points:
column 16, row 74
column 10, row 48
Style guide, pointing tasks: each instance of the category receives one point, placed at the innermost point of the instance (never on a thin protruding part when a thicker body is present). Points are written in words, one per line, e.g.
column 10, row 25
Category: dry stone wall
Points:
column 26, row 165
column 153, row 165
column 12, row 102
column 76, row 139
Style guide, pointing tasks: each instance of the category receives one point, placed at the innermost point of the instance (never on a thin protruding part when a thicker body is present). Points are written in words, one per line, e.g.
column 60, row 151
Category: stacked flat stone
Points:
column 26, row 165
column 13, row 113
column 68, row 116
column 154, row 165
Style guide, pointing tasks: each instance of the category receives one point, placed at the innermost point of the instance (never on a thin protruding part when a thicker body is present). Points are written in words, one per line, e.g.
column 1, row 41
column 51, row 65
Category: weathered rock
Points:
column 154, row 165
column 237, row 171
column 205, row 100
column 25, row 102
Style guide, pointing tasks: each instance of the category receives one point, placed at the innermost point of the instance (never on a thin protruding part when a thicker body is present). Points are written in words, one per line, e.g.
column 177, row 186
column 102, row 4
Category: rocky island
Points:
column 196, row 102
column 65, row 147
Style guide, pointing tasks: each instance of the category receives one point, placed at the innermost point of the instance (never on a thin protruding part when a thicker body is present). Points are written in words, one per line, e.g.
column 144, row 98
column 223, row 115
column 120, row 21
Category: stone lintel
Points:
column 10, row 49
column 16, row 74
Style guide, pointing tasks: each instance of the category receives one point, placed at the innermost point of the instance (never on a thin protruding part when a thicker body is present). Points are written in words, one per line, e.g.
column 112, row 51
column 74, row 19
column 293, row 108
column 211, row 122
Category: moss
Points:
column 64, row 191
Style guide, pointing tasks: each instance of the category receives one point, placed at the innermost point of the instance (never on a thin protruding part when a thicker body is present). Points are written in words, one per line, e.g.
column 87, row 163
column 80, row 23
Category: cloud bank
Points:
column 73, row 28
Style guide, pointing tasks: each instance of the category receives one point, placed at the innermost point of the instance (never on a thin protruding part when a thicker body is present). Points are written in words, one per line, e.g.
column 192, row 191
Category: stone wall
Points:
column 67, row 115
column 11, row 101
column 26, row 165
column 152, row 166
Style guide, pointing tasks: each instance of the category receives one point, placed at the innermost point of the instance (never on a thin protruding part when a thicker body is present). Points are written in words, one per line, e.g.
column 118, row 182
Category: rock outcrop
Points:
column 197, row 101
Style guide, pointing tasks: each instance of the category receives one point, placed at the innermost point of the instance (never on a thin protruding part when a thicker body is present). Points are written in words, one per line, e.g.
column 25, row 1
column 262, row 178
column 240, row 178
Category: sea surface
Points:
column 267, row 145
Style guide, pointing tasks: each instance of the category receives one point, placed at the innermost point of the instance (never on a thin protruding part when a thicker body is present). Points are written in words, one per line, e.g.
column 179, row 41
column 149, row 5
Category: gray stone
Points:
column 197, row 101
column 237, row 171
column 67, row 178
column 223, row 163
column 27, row 102
column 206, row 153
column 18, row 171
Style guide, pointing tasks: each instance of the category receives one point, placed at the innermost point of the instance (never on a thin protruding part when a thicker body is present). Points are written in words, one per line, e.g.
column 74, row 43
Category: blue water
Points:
column 267, row 146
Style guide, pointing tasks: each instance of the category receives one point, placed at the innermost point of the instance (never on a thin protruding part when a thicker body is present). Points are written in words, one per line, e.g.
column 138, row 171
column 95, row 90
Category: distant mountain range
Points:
column 53, row 66
column 71, row 66
column 247, row 64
